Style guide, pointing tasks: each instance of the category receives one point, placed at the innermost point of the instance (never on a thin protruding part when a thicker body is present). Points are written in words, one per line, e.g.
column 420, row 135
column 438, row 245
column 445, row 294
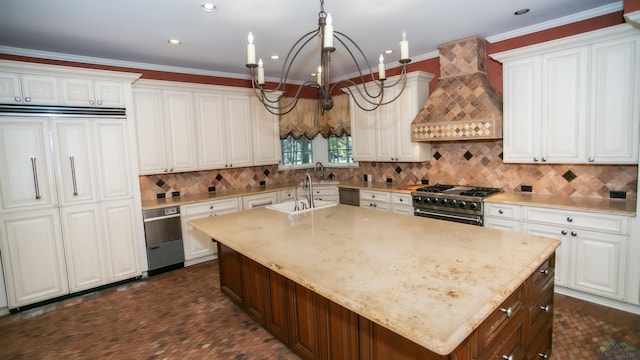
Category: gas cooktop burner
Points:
column 480, row 192
column 436, row 188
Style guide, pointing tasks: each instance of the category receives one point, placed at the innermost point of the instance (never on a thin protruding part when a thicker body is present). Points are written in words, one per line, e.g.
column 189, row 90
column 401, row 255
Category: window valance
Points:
column 307, row 120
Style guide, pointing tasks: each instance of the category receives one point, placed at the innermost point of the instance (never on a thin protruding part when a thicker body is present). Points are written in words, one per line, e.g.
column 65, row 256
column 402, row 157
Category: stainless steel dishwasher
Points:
column 163, row 236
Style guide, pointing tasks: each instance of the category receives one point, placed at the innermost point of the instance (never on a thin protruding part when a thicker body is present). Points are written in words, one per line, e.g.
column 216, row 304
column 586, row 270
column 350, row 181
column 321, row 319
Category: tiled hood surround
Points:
column 464, row 105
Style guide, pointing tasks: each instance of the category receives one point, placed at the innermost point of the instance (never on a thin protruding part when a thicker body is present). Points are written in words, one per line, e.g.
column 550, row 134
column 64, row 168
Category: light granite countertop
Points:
column 430, row 281
column 608, row 206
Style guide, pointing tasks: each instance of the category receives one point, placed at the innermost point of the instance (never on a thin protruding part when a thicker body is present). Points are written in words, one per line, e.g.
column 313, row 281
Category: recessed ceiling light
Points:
column 388, row 52
column 174, row 41
column 521, row 12
column 209, row 7
column 275, row 57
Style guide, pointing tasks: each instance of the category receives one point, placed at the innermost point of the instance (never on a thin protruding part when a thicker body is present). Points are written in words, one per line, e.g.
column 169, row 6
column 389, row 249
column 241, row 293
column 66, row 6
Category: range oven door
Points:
column 450, row 216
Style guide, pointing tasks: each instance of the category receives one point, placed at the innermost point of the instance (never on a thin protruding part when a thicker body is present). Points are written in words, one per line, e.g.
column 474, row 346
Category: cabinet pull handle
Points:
column 34, row 168
column 544, row 271
column 545, row 308
column 507, row 357
column 72, row 160
column 507, row 312
column 543, row 355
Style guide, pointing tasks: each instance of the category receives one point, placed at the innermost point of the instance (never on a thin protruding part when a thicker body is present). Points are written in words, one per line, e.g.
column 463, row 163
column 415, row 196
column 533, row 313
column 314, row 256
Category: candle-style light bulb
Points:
column 319, row 76
column 260, row 72
column 327, row 36
column 251, row 50
column 404, row 47
column 381, row 72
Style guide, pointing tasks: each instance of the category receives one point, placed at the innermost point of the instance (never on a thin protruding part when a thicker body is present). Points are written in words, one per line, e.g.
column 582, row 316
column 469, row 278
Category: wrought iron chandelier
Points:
column 368, row 98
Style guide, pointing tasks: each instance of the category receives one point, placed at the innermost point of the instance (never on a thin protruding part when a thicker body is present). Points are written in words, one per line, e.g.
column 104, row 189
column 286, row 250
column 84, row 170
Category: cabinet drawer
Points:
column 510, row 309
column 502, row 211
column 209, row 207
column 379, row 196
column 509, row 344
column 401, row 199
column 542, row 276
column 618, row 224
column 540, row 313
column 325, row 190
column 286, row 195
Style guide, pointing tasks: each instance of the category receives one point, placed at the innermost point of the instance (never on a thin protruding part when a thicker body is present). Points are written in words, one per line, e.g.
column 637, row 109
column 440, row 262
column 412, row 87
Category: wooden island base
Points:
column 314, row 327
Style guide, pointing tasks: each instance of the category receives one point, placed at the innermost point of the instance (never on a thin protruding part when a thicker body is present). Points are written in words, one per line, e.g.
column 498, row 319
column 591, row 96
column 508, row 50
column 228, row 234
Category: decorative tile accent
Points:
column 468, row 155
column 437, row 155
column 398, row 169
column 219, row 177
column 569, row 176
column 160, row 183
column 266, row 172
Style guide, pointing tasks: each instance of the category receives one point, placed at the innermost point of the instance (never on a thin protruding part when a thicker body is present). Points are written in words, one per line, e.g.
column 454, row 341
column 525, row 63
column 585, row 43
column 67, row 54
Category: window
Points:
column 296, row 152
column 339, row 150
column 304, row 153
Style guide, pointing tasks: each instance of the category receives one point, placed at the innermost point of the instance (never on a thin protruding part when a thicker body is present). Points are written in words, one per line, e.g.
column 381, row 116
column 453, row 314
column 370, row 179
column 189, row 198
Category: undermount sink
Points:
column 288, row 207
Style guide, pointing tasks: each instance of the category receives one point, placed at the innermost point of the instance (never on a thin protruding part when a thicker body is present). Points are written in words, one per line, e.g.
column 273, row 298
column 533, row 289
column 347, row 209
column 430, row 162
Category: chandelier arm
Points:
column 373, row 80
column 287, row 64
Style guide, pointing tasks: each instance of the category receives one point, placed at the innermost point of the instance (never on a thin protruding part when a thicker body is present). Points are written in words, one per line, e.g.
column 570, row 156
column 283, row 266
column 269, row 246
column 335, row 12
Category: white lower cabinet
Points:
column 287, row 195
column 33, row 256
column 326, row 193
column 378, row 200
column 593, row 254
column 197, row 246
column 259, row 200
column 401, row 204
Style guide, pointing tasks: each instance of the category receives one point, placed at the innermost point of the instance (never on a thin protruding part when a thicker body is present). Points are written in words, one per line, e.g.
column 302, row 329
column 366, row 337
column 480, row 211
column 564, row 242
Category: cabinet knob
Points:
column 166, row 170
column 500, row 212
column 17, row 99
column 99, row 102
column 544, row 159
column 543, row 355
column 401, row 200
column 544, row 271
column 564, row 232
column 211, row 207
column 171, row 170
column 373, row 196
column 91, row 102
column 507, row 357
column 573, row 233
column 507, row 311
column 569, row 219
column 536, row 159
column 27, row 99
column 545, row 308
column 592, row 159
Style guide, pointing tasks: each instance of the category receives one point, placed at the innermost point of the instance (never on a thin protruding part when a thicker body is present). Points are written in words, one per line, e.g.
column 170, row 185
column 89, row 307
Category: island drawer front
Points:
column 502, row 316
column 380, row 196
column 540, row 313
column 503, row 211
column 210, row 206
column 617, row 224
column 541, row 278
column 509, row 344
column 401, row 199
column 540, row 348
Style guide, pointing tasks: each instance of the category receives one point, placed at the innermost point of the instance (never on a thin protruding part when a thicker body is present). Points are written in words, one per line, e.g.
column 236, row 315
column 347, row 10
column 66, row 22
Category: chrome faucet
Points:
column 321, row 170
column 308, row 185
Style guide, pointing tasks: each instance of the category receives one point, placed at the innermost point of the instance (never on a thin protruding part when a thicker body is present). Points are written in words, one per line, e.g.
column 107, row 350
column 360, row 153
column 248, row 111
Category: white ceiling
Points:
column 135, row 32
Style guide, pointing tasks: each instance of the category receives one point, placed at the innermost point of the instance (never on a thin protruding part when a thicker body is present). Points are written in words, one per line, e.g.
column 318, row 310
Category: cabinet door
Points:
column 409, row 104
column 501, row 224
column 40, row 90
column 180, row 135
column 210, row 126
column 522, row 99
column 238, row 130
column 78, row 92
column 564, row 103
column 150, row 131
column 121, row 239
column 266, row 131
column 26, row 177
column 10, row 89
column 109, row 93
column 386, row 128
column 84, row 247
column 196, row 244
column 74, row 162
column 112, row 152
column 599, row 263
column 614, row 109
column 363, row 133
column 562, row 252
column 32, row 253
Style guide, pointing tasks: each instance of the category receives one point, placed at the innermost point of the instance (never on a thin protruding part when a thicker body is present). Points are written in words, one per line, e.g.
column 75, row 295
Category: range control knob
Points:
column 427, row 200
column 417, row 199
column 443, row 201
column 462, row 204
column 473, row 206
column 452, row 202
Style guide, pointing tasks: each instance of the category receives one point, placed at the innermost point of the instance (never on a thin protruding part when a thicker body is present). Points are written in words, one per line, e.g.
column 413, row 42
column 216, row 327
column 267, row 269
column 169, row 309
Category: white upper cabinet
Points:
column 573, row 100
column 29, row 89
column 88, row 92
column 26, row 176
column 238, row 130
column 166, row 130
column 115, row 180
column 385, row 133
column 266, row 135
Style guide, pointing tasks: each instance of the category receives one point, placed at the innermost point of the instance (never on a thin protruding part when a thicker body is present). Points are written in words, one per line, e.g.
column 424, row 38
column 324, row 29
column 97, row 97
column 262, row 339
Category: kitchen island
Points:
column 366, row 284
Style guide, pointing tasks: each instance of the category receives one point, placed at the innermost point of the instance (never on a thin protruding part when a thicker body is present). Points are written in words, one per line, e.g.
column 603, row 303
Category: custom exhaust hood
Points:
column 464, row 105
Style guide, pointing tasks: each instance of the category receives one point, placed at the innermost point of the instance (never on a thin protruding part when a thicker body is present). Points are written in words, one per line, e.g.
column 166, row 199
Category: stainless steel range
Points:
column 461, row 204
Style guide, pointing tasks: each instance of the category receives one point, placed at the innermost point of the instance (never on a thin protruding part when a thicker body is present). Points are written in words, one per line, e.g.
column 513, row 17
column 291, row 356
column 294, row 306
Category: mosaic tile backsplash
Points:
column 477, row 164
